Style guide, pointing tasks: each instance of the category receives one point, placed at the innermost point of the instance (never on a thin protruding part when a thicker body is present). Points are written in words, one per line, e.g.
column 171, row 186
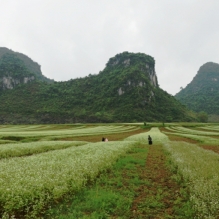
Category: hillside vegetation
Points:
column 126, row 90
column 18, row 65
column 202, row 94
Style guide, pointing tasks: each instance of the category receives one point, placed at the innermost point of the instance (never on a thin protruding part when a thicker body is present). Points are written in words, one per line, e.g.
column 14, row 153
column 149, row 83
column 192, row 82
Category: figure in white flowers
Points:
column 149, row 139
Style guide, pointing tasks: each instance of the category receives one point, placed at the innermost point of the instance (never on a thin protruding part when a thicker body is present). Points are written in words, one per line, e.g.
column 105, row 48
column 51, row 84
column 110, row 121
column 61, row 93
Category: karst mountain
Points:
column 202, row 93
column 126, row 90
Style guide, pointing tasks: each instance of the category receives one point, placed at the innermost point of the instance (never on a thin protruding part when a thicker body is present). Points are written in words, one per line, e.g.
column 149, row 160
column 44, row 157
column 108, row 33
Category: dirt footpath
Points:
column 160, row 197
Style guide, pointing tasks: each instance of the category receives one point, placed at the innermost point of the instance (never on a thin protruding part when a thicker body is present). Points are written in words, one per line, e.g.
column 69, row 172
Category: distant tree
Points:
column 202, row 116
column 169, row 118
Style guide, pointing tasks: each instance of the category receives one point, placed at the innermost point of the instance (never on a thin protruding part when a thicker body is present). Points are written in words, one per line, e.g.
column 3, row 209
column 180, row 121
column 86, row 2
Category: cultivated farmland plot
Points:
column 34, row 175
column 211, row 128
column 193, row 131
column 198, row 167
column 39, row 179
column 199, row 138
column 158, row 137
column 29, row 183
column 56, row 133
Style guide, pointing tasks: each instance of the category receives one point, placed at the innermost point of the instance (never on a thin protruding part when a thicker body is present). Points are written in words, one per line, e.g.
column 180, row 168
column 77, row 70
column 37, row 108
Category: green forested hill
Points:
column 202, row 94
column 126, row 90
column 18, row 65
column 11, row 65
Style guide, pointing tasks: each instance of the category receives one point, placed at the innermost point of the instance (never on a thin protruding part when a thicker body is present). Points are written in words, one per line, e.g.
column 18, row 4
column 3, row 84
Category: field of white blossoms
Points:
column 40, row 164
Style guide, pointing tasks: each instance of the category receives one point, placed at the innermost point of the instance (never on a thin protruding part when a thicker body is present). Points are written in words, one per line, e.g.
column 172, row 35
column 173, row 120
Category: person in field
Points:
column 106, row 139
column 103, row 139
column 149, row 139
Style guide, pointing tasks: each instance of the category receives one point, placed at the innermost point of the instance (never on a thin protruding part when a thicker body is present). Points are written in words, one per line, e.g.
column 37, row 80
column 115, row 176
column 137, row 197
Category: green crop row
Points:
column 22, row 149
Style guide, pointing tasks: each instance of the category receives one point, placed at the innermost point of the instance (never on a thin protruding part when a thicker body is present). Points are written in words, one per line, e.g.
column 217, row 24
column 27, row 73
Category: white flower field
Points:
column 38, row 166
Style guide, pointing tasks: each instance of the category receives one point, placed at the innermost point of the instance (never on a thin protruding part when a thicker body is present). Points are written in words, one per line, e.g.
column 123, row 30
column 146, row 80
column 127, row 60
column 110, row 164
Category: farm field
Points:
column 66, row 171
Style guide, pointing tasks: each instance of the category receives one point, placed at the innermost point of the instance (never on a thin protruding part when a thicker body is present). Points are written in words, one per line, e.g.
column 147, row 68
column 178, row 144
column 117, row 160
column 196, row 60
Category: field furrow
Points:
column 161, row 196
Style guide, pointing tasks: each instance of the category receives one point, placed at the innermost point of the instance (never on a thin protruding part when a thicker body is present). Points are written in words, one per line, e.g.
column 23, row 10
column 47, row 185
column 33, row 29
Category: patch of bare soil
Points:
column 212, row 148
column 157, row 198
column 181, row 138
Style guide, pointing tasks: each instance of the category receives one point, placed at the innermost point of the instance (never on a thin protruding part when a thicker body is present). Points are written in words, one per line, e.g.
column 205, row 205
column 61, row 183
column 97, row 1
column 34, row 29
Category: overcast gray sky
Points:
column 75, row 38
